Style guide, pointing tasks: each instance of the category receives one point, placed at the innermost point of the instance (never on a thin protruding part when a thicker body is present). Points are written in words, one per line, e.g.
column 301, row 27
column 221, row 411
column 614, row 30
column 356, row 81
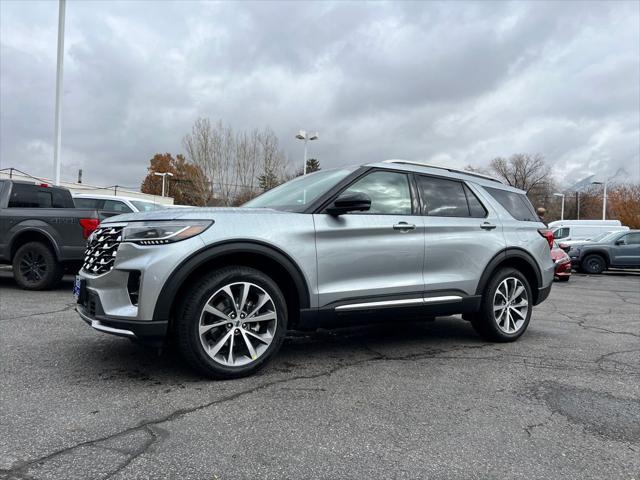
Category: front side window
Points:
column 145, row 206
column 389, row 192
column 631, row 239
column 561, row 233
column 116, row 206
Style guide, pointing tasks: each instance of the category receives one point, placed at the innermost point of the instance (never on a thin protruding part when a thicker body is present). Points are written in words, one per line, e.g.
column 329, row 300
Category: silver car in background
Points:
column 391, row 240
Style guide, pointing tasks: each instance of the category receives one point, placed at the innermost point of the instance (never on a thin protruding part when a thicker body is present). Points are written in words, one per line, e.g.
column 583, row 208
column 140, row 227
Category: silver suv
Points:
column 393, row 239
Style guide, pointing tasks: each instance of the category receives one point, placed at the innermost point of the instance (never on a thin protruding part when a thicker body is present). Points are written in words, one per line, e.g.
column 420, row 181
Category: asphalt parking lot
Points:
column 416, row 400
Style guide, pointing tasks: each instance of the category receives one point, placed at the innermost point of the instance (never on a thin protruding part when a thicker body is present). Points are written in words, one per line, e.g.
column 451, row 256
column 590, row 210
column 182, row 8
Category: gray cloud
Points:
column 456, row 83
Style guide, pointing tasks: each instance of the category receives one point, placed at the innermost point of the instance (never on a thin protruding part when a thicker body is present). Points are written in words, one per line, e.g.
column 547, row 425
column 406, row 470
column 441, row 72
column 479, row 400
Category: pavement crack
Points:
column 66, row 308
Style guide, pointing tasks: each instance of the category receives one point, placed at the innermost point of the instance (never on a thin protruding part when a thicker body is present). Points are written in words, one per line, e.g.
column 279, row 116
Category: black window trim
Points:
column 321, row 205
column 423, row 211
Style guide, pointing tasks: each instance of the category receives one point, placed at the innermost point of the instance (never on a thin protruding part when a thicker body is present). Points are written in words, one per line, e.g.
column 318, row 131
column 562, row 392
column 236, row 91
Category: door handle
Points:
column 404, row 226
column 488, row 226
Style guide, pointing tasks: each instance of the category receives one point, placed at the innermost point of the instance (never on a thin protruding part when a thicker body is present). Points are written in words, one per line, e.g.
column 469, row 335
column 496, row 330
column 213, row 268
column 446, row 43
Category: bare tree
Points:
column 522, row 171
column 200, row 146
column 237, row 165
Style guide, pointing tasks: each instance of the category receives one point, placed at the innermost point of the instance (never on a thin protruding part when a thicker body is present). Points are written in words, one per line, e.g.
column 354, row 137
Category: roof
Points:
column 419, row 167
column 111, row 197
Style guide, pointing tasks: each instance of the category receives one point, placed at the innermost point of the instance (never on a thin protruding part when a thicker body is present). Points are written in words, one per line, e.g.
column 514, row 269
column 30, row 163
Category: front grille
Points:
column 101, row 251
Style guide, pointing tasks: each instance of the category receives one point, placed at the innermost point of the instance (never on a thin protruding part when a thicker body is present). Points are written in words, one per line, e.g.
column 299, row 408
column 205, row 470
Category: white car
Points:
column 115, row 205
column 571, row 230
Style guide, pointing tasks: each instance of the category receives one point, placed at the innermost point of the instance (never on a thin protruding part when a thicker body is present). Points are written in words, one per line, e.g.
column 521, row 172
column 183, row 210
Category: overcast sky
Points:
column 450, row 83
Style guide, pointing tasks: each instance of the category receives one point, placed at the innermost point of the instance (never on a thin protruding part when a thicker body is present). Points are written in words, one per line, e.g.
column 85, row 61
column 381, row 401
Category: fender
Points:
column 189, row 265
column 25, row 227
column 511, row 252
column 597, row 251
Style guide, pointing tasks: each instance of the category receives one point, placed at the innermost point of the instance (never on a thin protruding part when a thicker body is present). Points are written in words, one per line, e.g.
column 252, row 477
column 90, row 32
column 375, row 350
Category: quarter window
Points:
column 389, row 193
column 517, row 204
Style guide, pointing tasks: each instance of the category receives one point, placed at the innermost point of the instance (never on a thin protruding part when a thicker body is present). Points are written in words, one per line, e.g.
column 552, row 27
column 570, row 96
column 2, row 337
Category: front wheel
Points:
column 506, row 307
column 232, row 323
column 593, row 264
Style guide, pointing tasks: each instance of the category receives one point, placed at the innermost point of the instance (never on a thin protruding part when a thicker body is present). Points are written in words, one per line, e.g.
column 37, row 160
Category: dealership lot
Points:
column 388, row 401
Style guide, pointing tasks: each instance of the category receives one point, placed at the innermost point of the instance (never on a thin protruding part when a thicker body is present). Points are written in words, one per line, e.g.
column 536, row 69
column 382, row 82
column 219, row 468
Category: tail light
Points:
column 548, row 235
column 88, row 226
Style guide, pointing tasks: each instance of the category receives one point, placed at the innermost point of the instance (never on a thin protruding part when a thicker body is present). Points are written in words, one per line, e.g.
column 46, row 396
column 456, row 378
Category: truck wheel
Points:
column 593, row 264
column 506, row 307
column 231, row 323
column 35, row 267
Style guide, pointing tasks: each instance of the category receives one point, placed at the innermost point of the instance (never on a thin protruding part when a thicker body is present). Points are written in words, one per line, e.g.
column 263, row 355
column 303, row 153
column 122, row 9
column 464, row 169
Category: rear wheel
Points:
column 35, row 267
column 593, row 264
column 232, row 323
column 506, row 307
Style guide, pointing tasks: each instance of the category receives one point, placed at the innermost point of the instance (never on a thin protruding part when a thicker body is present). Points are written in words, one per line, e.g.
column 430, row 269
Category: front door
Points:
column 372, row 255
column 626, row 250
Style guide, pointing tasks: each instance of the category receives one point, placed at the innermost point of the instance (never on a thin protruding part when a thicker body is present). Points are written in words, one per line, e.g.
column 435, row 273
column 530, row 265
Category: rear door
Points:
column 462, row 235
column 626, row 250
column 375, row 255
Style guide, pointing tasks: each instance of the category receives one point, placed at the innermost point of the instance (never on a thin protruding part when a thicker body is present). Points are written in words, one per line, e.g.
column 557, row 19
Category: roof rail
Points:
column 453, row 170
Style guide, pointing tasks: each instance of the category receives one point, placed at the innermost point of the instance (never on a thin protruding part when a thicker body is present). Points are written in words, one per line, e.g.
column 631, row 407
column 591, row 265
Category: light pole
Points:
column 58, row 115
column 164, row 177
column 561, row 208
column 303, row 135
column 604, row 198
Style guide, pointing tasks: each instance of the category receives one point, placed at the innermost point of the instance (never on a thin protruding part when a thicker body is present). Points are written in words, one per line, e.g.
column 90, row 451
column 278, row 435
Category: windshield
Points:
column 296, row 194
column 597, row 238
column 145, row 206
column 607, row 237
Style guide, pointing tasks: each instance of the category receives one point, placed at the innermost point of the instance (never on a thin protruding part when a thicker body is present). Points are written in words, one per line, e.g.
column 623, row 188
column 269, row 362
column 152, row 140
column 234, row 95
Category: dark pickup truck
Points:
column 42, row 234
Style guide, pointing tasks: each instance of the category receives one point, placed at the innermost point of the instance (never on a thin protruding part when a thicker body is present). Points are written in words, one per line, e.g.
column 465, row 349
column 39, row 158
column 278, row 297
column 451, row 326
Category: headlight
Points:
column 157, row 233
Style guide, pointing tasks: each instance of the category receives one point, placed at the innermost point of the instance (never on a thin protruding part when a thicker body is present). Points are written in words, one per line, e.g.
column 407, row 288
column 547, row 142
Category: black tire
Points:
column 484, row 322
column 35, row 267
column 593, row 264
column 188, row 322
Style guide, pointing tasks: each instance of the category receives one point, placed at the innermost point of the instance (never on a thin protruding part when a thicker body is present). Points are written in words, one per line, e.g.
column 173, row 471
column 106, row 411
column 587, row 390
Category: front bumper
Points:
column 90, row 310
column 112, row 303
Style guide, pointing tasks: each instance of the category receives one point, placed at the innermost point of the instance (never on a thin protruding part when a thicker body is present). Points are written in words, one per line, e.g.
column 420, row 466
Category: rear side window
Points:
column 517, row 204
column 34, row 196
column 29, row 196
column 449, row 198
column 561, row 233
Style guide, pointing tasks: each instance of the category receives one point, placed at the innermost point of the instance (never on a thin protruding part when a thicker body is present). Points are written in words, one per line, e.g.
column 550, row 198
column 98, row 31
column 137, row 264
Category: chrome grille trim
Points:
column 100, row 254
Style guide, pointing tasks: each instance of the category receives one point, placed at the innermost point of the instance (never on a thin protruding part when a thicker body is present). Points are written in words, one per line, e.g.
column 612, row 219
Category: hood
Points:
column 195, row 213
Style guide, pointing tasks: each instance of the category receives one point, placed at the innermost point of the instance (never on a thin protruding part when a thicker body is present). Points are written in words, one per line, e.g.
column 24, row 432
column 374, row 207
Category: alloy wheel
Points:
column 32, row 266
column 237, row 324
column 510, row 305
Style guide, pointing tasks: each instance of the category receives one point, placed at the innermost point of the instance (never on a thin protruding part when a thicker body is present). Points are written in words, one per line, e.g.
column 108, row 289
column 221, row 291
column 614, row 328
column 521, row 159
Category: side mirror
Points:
column 350, row 202
column 620, row 242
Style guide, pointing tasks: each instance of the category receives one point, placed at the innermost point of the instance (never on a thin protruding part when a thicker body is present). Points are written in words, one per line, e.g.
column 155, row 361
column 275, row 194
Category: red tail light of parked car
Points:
column 88, row 226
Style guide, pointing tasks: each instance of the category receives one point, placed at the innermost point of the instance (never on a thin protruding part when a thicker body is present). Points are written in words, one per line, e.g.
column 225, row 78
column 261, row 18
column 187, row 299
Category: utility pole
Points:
column 58, row 116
